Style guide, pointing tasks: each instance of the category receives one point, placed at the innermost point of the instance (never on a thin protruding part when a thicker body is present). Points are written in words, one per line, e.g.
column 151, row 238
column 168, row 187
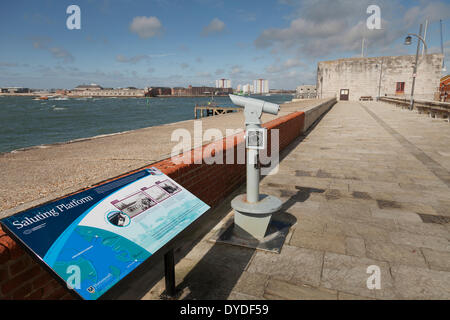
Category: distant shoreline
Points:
column 122, row 97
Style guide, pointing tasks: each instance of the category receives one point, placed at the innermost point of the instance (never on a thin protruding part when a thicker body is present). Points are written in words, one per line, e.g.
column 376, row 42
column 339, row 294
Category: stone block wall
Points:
column 373, row 75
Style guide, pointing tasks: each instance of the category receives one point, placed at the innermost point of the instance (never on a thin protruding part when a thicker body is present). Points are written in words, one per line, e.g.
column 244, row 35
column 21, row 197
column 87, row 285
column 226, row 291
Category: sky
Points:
column 171, row 43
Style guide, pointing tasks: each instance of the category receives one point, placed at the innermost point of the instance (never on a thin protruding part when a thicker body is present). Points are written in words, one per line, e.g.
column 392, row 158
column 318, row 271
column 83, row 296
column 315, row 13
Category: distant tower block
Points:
column 223, row 83
column 260, row 86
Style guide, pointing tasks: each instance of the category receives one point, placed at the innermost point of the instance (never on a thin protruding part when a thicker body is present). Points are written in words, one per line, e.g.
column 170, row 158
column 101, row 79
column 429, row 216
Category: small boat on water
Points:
column 40, row 98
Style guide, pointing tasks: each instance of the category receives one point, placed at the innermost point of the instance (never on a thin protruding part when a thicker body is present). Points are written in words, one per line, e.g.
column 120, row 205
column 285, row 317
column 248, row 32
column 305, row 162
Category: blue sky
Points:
column 179, row 42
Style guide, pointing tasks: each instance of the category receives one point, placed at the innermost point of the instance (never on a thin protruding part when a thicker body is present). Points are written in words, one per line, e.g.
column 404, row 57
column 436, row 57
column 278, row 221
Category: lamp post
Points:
column 379, row 81
column 408, row 42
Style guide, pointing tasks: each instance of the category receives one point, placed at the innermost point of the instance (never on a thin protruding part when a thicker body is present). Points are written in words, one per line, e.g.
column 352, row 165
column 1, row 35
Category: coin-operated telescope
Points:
column 253, row 108
column 253, row 211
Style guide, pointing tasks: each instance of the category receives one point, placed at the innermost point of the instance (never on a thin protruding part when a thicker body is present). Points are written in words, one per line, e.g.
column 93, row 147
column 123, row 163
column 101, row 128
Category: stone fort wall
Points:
column 370, row 76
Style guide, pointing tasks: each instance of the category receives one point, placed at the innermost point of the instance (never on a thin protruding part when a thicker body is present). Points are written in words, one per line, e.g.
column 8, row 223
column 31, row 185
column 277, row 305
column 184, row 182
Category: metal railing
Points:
column 435, row 109
column 306, row 95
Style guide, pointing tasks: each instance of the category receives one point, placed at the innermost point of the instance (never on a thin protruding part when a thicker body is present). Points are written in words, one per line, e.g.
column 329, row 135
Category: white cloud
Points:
column 315, row 32
column 214, row 27
column 8, row 64
column 133, row 60
column 138, row 58
column 285, row 66
column 236, row 70
column 61, row 53
column 146, row 27
column 43, row 43
column 203, row 74
column 291, row 63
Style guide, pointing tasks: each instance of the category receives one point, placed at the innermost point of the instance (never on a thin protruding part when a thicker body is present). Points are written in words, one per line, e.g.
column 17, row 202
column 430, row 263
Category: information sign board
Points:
column 102, row 234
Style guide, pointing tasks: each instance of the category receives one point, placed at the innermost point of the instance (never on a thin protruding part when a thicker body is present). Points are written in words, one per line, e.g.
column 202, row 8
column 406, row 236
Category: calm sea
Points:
column 25, row 122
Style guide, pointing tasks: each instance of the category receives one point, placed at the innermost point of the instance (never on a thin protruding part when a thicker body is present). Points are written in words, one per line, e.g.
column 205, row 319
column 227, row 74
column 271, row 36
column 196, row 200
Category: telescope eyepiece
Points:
column 255, row 104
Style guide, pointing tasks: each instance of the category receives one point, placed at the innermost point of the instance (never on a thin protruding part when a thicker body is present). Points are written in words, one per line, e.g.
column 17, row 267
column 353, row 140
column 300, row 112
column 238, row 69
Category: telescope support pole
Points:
column 253, row 172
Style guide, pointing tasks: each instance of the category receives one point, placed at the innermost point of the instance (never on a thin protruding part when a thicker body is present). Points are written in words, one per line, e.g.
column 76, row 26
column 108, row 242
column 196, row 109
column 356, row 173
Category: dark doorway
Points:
column 344, row 94
column 400, row 88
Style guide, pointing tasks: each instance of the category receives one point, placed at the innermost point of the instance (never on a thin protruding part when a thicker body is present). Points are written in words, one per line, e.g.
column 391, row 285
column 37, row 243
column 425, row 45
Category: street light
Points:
column 408, row 41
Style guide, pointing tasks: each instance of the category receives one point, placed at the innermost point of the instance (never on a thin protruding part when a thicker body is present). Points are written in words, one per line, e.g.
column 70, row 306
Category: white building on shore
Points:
column 223, row 83
column 247, row 88
column 260, row 86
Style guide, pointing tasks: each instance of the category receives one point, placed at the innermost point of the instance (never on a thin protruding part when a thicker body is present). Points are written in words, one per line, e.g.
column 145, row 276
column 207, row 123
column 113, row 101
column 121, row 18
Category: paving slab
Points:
column 395, row 254
column 296, row 265
column 281, row 290
column 437, row 260
column 350, row 274
column 421, row 283
column 355, row 247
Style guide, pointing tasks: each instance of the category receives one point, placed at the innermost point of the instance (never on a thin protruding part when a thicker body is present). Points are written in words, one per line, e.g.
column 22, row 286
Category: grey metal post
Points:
column 253, row 171
column 425, row 36
column 411, row 107
column 379, row 82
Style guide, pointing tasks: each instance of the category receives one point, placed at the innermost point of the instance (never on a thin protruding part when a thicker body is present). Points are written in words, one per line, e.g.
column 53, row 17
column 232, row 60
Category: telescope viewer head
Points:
column 255, row 105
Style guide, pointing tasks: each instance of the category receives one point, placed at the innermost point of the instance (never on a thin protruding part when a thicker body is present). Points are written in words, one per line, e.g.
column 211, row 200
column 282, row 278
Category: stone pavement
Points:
column 368, row 186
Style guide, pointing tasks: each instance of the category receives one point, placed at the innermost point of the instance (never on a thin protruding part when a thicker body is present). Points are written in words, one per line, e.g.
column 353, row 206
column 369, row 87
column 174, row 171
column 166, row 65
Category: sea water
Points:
column 25, row 122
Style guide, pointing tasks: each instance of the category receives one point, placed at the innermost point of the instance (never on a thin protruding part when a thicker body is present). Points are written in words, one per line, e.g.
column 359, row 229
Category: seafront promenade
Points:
column 368, row 186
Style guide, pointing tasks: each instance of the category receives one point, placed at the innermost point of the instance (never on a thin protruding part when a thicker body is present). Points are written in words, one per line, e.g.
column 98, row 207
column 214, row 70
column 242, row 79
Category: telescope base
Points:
column 273, row 241
column 252, row 219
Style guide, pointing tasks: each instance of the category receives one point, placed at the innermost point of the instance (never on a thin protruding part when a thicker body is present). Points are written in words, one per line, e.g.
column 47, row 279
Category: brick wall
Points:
column 22, row 278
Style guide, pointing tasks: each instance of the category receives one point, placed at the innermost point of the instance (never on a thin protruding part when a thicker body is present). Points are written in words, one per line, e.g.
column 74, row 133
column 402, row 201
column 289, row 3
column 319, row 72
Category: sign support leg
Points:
column 169, row 273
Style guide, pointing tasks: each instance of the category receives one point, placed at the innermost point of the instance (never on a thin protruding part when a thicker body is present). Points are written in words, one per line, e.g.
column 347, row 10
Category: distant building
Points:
column 62, row 92
column 260, row 86
column 200, row 91
column 223, row 83
column 158, row 91
column 178, row 91
column 94, row 90
column 247, row 88
column 306, row 91
column 88, row 87
column 352, row 78
column 15, row 90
